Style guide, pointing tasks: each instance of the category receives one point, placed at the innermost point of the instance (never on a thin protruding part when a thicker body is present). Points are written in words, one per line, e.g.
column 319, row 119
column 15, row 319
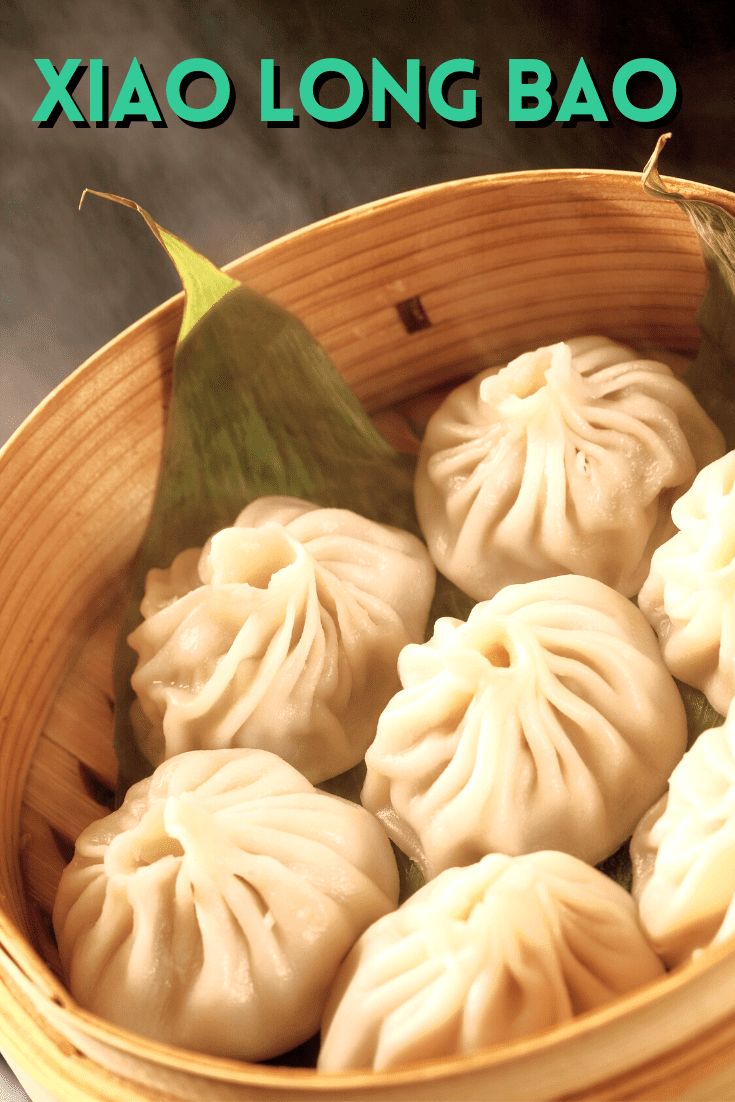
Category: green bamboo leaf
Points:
column 203, row 283
column 701, row 716
column 257, row 407
column 410, row 876
column 619, row 867
column 712, row 375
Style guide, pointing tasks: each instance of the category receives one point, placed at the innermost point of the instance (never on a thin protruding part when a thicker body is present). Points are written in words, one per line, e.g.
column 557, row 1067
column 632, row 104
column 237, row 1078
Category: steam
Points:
column 73, row 280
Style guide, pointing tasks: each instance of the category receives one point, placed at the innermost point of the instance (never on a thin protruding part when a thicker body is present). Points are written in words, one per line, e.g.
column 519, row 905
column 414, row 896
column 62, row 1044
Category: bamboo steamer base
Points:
column 408, row 295
column 72, row 781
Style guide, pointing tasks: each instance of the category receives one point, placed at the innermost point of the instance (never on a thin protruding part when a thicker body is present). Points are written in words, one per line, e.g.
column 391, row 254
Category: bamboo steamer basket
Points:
column 406, row 294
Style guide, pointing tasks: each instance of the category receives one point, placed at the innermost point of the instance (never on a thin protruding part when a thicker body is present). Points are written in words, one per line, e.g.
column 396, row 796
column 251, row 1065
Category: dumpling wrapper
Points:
column 547, row 721
column 484, row 954
column 683, row 852
column 567, row 460
column 212, row 910
column 689, row 595
column 283, row 633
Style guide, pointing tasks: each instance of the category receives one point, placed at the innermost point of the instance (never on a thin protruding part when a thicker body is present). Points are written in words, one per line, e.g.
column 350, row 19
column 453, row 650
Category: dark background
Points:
column 70, row 281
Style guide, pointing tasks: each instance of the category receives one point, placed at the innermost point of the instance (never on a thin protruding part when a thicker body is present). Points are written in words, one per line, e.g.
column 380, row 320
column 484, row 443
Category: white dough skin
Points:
column 213, row 909
column 683, row 852
column 689, row 595
column 484, row 954
column 283, row 633
column 565, row 461
column 547, row 721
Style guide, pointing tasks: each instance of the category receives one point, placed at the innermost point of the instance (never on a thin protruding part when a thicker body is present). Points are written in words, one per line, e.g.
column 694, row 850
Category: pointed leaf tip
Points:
column 204, row 284
column 651, row 169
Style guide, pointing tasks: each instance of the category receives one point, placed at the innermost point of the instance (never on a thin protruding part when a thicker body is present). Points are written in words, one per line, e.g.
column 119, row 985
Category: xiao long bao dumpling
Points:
column 213, row 910
column 689, row 595
column 484, row 954
column 683, row 852
column 283, row 633
column 565, row 461
column 547, row 721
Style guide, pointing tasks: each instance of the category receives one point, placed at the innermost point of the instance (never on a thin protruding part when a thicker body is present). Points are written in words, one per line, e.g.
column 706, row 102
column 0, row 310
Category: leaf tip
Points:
column 651, row 169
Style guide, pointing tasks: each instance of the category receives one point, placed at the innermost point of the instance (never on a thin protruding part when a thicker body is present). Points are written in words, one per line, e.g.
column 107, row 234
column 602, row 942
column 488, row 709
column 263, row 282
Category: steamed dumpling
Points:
column 484, row 954
column 689, row 595
column 683, row 852
column 547, row 721
column 282, row 633
column 566, row 460
column 213, row 909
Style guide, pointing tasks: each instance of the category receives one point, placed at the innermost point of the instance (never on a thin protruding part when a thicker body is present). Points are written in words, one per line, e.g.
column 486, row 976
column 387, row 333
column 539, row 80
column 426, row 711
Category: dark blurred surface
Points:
column 70, row 281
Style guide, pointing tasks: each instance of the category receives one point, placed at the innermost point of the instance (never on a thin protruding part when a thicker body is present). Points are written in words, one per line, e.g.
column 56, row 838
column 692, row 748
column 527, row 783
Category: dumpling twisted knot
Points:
column 282, row 633
column 481, row 955
column 689, row 595
column 213, row 909
column 683, row 852
column 566, row 460
column 547, row 721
